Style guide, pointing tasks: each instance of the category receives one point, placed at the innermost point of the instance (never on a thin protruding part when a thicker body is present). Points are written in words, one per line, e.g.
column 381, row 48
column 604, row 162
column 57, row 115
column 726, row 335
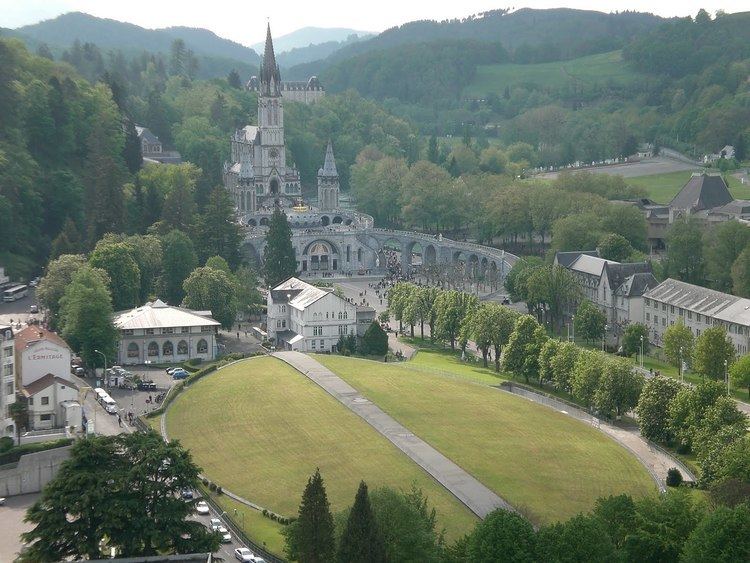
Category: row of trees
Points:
column 387, row 525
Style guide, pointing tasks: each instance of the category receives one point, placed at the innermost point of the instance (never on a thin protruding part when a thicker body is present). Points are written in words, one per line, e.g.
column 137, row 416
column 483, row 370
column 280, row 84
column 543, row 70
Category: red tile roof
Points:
column 43, row 382
column 34, row 333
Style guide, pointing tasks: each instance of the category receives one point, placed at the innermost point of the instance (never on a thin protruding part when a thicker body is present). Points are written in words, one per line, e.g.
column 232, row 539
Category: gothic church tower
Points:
column 270, row 164
column 328, row 183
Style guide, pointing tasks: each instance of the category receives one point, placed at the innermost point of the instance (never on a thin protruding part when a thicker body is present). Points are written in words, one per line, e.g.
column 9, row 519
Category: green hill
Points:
column 593, row 70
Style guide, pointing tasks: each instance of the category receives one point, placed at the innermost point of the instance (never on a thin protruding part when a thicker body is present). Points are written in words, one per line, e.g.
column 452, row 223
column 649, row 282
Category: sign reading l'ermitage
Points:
column 45, row 353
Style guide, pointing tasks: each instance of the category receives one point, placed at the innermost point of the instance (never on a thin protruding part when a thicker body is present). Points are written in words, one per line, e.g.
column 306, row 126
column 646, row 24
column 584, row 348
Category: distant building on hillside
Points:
column 296, row 91
column 153, row 150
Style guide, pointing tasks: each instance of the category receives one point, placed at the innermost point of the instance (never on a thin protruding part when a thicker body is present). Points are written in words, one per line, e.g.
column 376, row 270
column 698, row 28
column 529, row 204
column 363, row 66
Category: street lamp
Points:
column 726, row 375
column 104, row 373
column 604, row 337
column 641, row 351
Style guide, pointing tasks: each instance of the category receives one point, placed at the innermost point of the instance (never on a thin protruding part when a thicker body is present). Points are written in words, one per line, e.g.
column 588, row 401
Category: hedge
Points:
column 15, row 453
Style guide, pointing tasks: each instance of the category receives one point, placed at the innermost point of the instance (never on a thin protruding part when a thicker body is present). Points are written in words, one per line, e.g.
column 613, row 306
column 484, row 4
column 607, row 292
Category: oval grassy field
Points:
column 547, row 464
column 259, row 428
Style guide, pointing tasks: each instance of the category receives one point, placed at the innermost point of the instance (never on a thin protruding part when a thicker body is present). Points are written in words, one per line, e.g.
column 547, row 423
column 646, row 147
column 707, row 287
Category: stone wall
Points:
column 32, row 472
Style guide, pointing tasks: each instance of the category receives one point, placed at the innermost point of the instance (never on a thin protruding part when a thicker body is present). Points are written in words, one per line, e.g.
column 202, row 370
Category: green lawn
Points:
column 544, row 462
column 260, row 428
column 594, row 70
column 261, row 529
column 663, row 187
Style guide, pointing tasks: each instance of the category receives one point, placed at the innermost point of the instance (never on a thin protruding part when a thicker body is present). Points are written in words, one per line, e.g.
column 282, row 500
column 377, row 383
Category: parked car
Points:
column 187, row 494
column 215, row 524
column 80, row 372
column 244, row 554
column 179, row 373
column 202, row 507
column 226, row 537
column 172, row 369
column 146, row 386
column 33, row 309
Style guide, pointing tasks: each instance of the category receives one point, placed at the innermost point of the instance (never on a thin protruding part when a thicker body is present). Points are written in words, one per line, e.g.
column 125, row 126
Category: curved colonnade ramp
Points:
column 476, row 496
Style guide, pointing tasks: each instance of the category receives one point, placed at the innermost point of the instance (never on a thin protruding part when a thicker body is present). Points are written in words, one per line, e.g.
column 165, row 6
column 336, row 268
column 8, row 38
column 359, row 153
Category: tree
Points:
column 741, row 274
column 721, row 536
column 112, row 480
column 635, row 339
column 548, row 353
column 452, row 306
column 502, row 320
column 179, row 260
column 132, row 154
column 554, row 288
column 125, row 278
column 249, row 298
column 740, row 373
column 714, row 352
column 685, row 252
column 563, row 364
column 587, row 373
column 52, row 286
column 217, row 232
column 722, row 244
column 619, row 388
column 433, row 155
column 148, row 253
column 615, row 247
column 398, row 298
column 374, row 341
column 521, row 356
column 618, row 514
column 19, row 412
column 212, row 290
column 687, row 408
column 590, row 321
column 68, row 241
column 678, row 344
column 311, row 536
column 233, row 79
column 502, row 536
column 653, row 408
column 361, row 541
column 582, row 538
column 86, row 316
column 516, row 282
column 279, row 262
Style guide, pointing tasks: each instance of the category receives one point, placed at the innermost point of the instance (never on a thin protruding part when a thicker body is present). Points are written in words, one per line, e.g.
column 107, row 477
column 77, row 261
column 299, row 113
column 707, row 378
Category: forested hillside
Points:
column 70, row 167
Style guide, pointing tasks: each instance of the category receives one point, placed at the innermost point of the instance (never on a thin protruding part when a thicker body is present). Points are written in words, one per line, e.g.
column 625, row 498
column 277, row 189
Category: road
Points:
column 18, row 311
column 648, row 167
column 226, row 550
column 12, row 524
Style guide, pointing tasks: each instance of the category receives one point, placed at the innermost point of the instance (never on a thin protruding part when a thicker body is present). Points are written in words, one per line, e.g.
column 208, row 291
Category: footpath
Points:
column 476, row 496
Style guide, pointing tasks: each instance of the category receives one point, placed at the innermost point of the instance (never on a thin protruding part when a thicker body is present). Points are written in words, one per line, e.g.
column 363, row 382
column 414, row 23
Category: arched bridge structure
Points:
column 337, row 247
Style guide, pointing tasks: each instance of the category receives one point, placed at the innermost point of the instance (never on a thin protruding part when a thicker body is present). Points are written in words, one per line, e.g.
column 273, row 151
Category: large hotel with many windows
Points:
column 160, row 333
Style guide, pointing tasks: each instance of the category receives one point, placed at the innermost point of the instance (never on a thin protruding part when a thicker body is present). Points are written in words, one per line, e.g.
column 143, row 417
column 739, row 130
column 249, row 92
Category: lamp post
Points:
column 726, row 375
column 573, row 324
column 641, row 351
column 604, row 337
column 104, row 373
column 679, row 367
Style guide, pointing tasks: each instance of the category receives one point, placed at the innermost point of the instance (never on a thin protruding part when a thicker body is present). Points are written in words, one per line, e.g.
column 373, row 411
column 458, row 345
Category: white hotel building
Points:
column 7, row 379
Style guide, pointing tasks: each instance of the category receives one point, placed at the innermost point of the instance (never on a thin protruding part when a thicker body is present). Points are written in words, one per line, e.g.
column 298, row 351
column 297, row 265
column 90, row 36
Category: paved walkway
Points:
column 478, row 498
column 656, row 460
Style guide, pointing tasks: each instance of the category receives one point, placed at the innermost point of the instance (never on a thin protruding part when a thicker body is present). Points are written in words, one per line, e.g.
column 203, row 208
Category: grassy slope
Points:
column 663, row 187
column 544, row 462
column 259, row 429
column 600, row 69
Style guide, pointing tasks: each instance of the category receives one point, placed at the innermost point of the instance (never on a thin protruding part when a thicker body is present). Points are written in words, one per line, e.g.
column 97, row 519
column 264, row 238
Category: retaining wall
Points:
column 32, row 472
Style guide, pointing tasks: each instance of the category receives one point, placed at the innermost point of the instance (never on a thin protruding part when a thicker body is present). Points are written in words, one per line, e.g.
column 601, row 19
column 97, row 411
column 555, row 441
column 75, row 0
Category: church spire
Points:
column 329, row 166
column 270, row 77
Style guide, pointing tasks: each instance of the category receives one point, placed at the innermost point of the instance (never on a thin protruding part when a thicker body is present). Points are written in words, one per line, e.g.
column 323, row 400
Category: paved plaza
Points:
column 12, row 525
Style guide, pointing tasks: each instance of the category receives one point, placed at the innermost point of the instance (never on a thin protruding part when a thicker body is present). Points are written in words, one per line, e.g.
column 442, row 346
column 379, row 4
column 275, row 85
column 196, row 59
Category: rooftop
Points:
column 43, row 382
column 637, row 284
column 297, row 293
column 158, row 314
column 33, row 334
column 702, row 191
column 588, row 264
column 722, row 306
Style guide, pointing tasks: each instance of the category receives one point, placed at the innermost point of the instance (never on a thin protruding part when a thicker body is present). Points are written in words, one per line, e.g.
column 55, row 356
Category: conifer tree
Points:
column 361, row 541
column 279, row 260
column 313, row 539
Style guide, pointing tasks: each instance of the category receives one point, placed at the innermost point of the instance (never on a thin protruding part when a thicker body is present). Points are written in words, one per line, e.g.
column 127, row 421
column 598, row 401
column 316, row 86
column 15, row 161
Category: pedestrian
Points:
column 238, row 336
column 119, row 421
column 239, row 326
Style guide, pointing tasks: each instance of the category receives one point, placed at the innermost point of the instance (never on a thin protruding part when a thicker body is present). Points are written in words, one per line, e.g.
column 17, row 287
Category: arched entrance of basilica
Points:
column 320, row 256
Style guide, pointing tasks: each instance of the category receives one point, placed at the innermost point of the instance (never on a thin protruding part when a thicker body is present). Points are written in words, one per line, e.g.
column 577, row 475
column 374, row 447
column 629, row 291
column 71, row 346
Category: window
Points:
column 663, row 306
column 283, row 323
column 690, row 315
column 167, row 349
column 648, row 317
column 31, row 401
column 128, row 332
column 45, row 400
column 698, row 332
column 697, row 317
column 648, row 302
column 664, row 321
column 9, row 388
column 283, row 308
column 8, row 369
column 681, row 311
column 278, row 323
column 202, row 346
column 182, row 348
column 169, row 330
column 656, row 319
column 206, row 329
column 322, row 343
column 149, row 331
column 312, row 344
column 341, row 315
column 346, row 315
column 133, row 350
column 671, row 309
column 45, row 417
column 326, row 314
column 153, row 349
column 185, row 329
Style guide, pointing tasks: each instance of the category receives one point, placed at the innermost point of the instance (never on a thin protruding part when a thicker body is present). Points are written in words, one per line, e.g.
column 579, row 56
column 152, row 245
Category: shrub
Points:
column 6, row 443
column 194, row 361
column 674, row 477
column 205, row 482
column 14, row 454
column 219, row 490
column 211, row 486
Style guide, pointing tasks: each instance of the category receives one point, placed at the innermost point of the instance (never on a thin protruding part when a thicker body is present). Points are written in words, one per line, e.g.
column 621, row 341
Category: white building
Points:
column 38, row 353
column 53, row 403
column 8, row 380
column 699, row 308
column 160, row 333
column 3, row 278
column 309, row 318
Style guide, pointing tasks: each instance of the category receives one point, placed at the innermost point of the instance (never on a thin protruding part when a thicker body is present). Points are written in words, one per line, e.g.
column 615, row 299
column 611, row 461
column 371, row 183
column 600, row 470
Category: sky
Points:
column 244, row 21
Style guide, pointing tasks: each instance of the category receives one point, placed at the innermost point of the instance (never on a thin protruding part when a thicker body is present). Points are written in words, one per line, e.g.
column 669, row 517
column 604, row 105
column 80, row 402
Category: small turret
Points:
column 328, row 182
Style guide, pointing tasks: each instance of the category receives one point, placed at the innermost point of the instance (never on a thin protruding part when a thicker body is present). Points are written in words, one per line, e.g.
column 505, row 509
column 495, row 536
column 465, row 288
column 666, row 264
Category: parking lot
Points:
column 18, row 311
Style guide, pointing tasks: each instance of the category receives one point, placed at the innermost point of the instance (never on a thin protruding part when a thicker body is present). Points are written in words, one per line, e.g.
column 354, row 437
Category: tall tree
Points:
column 678, row 344
column 653, row 408
column 582, row 538
column 590, row 321
column 741, row 274
column 587, row 373
column 563, row 365
column 86, row 316
column 521, row 356
column 55, row 281
column 361, row 541
column 740, row 373
column 635, row 339
column 685, row 260
column 123, row 488
column 722, row 536
column 233, row 79
column 179, row 260
column 217, row 232
column 311, row 537
column 207, row 289
column 452, row 306
column 279, row 261
column 723, row 243
column 502, row 536
column 124, row 275
column 619, row 388
column 132, row 154
column 713, row 353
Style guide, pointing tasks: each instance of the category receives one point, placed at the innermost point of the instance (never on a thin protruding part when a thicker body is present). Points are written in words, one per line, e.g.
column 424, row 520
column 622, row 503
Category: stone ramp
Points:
column 477, row 497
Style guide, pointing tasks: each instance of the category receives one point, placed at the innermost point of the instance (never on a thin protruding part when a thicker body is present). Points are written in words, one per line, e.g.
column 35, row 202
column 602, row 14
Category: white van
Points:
column 109, row 405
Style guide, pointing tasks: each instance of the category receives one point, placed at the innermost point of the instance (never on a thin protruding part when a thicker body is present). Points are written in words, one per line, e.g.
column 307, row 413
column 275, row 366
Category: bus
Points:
column 15, row 293
column 105, row 400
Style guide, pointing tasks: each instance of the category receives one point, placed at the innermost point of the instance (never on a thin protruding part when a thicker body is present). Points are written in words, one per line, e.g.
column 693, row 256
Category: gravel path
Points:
column 477, row 497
